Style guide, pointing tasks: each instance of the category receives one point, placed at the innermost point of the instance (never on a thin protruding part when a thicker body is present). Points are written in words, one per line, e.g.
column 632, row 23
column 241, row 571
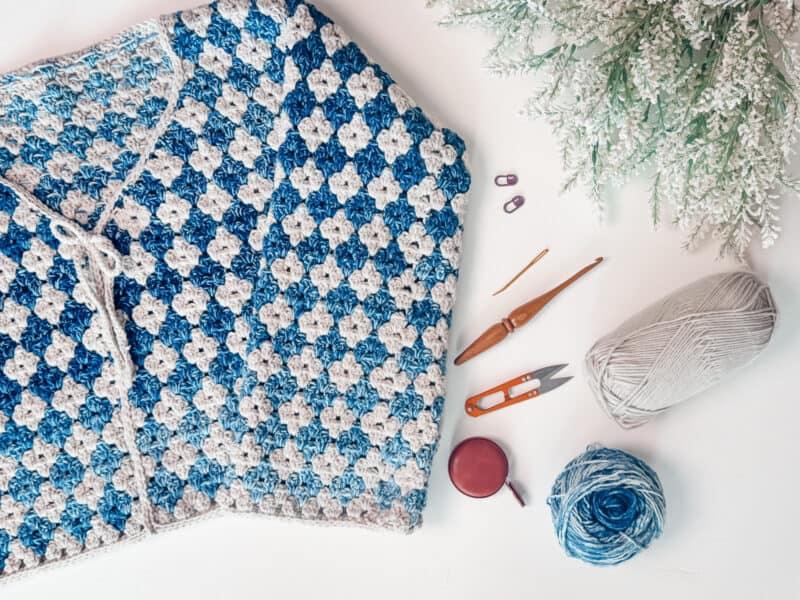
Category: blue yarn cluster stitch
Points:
column 284, row 226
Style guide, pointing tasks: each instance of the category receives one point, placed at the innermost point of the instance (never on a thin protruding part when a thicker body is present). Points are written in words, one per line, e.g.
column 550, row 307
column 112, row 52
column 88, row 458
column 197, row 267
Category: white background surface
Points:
column 728, row 460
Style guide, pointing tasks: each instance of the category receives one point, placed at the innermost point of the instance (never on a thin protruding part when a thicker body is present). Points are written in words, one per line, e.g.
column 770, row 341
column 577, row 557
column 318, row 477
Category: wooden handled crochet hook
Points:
column 518, row 317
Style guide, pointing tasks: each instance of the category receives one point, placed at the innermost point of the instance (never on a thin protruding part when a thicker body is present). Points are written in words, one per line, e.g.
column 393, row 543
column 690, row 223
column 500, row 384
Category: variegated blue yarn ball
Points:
column 607, row 506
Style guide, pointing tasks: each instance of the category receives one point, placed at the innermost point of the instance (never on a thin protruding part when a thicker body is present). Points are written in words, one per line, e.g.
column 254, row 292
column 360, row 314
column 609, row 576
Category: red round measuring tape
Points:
column 478, row 467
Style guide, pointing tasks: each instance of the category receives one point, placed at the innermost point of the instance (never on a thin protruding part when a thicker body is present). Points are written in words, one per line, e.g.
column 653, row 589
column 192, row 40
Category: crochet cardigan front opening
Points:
column 228, row 257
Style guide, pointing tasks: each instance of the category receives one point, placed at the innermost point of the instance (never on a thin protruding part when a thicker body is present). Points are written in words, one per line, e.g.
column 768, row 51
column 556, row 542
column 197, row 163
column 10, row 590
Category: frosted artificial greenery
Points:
column 700, row 93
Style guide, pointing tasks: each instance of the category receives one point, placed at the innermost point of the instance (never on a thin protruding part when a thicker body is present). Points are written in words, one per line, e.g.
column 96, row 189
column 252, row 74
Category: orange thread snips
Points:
column 475, row 408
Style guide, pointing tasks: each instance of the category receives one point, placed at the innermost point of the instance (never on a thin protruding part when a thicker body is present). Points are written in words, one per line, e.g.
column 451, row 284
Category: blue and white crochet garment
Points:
column 228, row 255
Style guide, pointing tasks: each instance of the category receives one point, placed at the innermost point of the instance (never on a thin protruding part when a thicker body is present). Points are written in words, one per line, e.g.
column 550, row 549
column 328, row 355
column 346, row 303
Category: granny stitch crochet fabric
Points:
column 228, row 254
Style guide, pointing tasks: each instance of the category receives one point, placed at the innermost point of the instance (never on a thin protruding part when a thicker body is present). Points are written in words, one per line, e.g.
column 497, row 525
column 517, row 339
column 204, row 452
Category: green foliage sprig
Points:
column 703, row 93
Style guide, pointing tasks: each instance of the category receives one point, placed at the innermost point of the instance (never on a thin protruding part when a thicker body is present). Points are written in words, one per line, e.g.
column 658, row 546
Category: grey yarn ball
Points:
column 681, row 346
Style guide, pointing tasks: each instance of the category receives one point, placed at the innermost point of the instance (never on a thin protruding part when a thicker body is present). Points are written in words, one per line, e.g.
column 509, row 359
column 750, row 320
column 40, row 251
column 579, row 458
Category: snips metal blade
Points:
column 547, row 383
